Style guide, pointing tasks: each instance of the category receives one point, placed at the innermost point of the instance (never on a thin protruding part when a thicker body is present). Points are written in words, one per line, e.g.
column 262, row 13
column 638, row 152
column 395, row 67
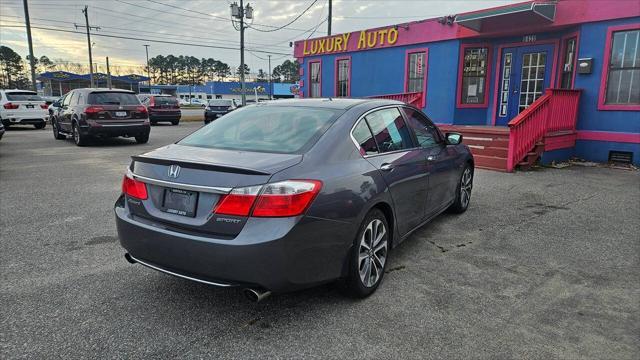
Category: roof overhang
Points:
column 509, row 17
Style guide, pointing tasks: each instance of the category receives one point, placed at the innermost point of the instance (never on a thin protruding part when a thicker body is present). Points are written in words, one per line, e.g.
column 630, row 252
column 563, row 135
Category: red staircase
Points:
column 547, row 124
column 411, row 98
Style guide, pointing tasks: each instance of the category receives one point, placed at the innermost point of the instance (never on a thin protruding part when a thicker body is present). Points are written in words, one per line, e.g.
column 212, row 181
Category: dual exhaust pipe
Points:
column 254, row 295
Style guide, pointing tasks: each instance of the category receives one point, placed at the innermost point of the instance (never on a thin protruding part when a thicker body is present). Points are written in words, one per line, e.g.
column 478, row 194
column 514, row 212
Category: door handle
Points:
column 386, row 167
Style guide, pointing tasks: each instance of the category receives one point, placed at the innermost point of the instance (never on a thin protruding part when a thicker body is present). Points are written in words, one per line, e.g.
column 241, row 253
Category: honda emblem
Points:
column 174, row 171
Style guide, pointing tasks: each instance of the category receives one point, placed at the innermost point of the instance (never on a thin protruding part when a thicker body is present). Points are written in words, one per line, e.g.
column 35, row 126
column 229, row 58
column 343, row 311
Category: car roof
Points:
column 105, row 90
column 331, row 103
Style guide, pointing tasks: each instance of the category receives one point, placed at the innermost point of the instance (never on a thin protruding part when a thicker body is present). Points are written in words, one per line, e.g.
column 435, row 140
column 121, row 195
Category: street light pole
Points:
column 86, row 19
column 146, row 48
column 32, row 60
column 240, row 13
column 329, row 20
column 270, row 91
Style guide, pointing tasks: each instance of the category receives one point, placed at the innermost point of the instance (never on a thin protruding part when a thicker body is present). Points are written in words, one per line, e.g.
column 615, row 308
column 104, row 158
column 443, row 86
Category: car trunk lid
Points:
column 184, row 184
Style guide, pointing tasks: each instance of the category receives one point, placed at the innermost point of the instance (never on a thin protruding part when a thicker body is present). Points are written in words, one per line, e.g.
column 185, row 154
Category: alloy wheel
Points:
column 372, row 253
column 76, row 134
column 466, row 183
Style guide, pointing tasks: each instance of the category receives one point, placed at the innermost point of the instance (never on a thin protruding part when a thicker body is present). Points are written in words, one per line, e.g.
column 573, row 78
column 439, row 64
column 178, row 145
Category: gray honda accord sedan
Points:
column 289, row 194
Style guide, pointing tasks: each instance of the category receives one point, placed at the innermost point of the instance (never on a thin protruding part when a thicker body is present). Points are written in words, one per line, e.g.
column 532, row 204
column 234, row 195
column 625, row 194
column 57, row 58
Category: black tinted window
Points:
column 426, row 133
column 112, row 98
column 389, row 129
column 363, row 136
column 277, row 129
column 23, row 96
column 165, row 100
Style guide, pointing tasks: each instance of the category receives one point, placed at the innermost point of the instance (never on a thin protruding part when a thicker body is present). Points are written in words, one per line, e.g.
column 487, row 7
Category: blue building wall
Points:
column 592, row 41
column 382, row 71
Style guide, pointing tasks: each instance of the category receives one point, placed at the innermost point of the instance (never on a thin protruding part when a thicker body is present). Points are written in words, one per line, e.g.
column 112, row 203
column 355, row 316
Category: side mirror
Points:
column 453, row 138
column 56, row 104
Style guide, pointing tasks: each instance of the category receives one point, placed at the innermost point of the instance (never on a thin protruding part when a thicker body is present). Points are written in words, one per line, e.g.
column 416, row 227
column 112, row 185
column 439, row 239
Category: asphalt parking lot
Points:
column 544, row 264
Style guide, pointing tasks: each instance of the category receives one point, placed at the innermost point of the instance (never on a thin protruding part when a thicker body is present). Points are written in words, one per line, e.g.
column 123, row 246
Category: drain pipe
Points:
column 256, row 295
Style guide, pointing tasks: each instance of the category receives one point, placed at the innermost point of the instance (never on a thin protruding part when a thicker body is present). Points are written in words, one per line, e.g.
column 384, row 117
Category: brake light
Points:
column 152, row 102
column 11, row 106
column 286, row 198
column 44, row 106
column 238, row 202
column 134, row 188
column 141, row 109
column 281, row 199
column 93, row 110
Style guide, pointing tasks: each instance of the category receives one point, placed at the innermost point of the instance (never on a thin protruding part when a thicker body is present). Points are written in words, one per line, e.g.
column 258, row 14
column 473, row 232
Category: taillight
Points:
column 286, row 198
column 141, row 109
column 281, row 199
column 152, row 102
column 44, row 106
column 134, row 188
column 11, row 106
column 238, row 202
column 93, row 110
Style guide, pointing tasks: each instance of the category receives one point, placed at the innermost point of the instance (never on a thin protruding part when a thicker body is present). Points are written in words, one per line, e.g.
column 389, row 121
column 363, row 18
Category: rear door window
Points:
column 112, row 98
column 276, row 129
column 23, row 96
column 389, row 130
column 362, row 134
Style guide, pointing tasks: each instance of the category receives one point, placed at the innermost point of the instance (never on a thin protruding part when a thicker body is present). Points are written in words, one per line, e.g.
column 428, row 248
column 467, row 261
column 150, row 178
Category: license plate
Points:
column 180, row 202
column 121, row 113
column 29, row 106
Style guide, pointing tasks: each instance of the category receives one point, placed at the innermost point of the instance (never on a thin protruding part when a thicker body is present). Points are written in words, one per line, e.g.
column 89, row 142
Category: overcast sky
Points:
column 204, row 22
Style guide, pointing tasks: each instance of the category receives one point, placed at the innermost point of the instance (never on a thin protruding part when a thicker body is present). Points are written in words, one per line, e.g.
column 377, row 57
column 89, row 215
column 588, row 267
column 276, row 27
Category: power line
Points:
column 146, row 39
column 287, row 24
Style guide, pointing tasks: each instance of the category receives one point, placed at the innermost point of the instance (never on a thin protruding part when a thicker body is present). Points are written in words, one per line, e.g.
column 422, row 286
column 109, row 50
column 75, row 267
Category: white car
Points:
column 22, row 107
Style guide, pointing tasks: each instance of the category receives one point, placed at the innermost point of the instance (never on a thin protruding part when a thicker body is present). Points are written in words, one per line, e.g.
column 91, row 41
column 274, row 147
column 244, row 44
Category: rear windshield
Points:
column 219, row 102
column 112, row 98
column 275, row 129
column 23, row 96
column 165, row 100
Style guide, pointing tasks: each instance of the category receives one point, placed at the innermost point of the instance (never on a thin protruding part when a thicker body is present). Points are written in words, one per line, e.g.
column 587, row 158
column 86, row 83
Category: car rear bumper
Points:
column 278, row 254
column 116, row 130
column 164, row 117
column 9, row 119
column 212, row 115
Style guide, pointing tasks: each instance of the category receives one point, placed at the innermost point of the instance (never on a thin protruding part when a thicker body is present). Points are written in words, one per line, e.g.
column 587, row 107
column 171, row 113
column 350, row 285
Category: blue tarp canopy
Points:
column 67, row 76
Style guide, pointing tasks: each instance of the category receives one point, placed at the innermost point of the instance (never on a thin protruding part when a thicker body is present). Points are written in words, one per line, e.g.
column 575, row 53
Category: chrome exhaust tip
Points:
column 129, row 258
column 256, row 295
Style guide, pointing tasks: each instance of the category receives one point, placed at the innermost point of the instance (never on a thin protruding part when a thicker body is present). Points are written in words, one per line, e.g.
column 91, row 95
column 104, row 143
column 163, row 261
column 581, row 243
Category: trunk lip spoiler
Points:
column 198, row 166
column 175, row 185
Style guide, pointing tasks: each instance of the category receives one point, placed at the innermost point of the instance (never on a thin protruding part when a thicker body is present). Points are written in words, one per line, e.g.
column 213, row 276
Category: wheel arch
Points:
column 387, row 210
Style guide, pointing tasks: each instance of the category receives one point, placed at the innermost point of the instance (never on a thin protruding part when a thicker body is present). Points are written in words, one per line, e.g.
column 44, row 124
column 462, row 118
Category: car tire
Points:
column 175, row 122
column 78, row 138
column 56, row 131
column 365, row 261
column 463, row 191
column 40, row 126
column 142, row 139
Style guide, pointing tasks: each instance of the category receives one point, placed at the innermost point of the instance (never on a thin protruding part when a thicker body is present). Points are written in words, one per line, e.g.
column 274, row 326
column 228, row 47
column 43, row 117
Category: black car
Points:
column 100, row 113
column 284, row 195
column 1, row 129
column 218, row 107
column 161, row 108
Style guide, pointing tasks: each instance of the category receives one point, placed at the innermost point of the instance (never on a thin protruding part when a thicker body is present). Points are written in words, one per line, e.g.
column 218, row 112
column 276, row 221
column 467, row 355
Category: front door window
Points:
column 532, row 82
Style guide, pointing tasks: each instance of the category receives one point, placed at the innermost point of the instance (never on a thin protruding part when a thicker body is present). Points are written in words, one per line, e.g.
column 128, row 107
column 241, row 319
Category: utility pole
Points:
column 86, row 20
column 270, row 92
column 146, row 48
column 32, row 60
column 240, row 13
column 329, row 20
column 109, row 75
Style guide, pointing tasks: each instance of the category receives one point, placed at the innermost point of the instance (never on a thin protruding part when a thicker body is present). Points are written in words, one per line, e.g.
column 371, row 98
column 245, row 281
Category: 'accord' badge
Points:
column 174, row 171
